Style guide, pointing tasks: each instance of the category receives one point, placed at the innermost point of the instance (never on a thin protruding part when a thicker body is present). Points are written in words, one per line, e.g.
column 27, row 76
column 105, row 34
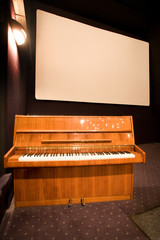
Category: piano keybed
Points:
column 75, row 156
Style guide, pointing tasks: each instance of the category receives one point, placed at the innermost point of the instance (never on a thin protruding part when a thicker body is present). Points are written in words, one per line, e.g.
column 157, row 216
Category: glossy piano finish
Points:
column 48, row 130
column 42, row 182
column 45, row 186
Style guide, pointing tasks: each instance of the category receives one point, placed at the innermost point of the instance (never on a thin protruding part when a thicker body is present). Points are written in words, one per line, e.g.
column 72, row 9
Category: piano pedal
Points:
column 82, row 202
column 70, row 202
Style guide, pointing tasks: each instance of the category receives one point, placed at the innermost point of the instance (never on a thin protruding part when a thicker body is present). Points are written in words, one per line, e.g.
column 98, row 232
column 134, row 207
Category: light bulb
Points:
column 18, row 32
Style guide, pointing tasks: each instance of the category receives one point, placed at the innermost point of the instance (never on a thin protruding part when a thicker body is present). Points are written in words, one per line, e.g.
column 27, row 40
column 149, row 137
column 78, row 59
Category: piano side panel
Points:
column 8, row 155
column 141, row 152
column 45, row 186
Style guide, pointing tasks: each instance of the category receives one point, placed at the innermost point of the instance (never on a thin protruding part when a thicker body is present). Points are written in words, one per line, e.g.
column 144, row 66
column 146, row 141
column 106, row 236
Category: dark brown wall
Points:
column 15, row 83
column 12, row 82
column 3, row 60
column 155, row 71
column 143, row 118
column 17, row 78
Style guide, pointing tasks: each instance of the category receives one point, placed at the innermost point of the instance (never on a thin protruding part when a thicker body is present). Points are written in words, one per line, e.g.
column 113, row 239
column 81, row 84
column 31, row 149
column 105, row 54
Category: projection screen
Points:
column 81, row 63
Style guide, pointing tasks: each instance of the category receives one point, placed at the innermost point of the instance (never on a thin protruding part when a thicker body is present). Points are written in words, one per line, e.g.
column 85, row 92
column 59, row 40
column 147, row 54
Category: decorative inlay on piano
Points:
column 57, row 158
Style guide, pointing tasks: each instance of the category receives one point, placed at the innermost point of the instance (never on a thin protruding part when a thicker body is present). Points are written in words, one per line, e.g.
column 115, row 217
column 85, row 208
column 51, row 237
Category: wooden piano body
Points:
column 44, row 182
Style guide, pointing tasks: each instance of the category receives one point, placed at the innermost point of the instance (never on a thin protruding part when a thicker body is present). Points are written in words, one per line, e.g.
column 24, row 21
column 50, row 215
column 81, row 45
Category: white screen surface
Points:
column 78, row 62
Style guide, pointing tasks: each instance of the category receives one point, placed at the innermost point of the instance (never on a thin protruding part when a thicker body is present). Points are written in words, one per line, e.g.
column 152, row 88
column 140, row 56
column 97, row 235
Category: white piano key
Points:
column 76, row 156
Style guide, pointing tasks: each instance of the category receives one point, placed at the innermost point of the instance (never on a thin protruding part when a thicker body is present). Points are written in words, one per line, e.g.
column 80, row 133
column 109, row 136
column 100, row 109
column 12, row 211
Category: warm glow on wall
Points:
column 11, row 41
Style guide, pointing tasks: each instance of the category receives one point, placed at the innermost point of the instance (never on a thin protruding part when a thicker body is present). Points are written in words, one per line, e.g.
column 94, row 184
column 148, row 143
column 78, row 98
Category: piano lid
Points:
column 51, row 130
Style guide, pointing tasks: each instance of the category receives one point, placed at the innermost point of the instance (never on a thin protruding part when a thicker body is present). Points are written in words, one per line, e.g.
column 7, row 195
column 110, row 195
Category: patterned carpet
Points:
column 107, row 220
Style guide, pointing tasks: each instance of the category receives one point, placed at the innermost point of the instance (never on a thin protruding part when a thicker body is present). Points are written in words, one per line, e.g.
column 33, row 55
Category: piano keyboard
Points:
column 75, row 156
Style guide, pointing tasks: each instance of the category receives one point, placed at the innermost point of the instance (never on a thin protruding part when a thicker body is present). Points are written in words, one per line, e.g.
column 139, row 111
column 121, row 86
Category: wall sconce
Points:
column 18, row 32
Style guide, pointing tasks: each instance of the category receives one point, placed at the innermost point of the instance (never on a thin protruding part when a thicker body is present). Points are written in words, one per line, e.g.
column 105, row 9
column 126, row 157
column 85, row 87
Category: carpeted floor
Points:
column 107, row 220
column 94, row 221
column 149, row 222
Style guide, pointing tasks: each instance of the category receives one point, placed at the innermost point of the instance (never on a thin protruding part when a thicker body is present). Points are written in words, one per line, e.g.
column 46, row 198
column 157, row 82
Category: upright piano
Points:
column 72, row 159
